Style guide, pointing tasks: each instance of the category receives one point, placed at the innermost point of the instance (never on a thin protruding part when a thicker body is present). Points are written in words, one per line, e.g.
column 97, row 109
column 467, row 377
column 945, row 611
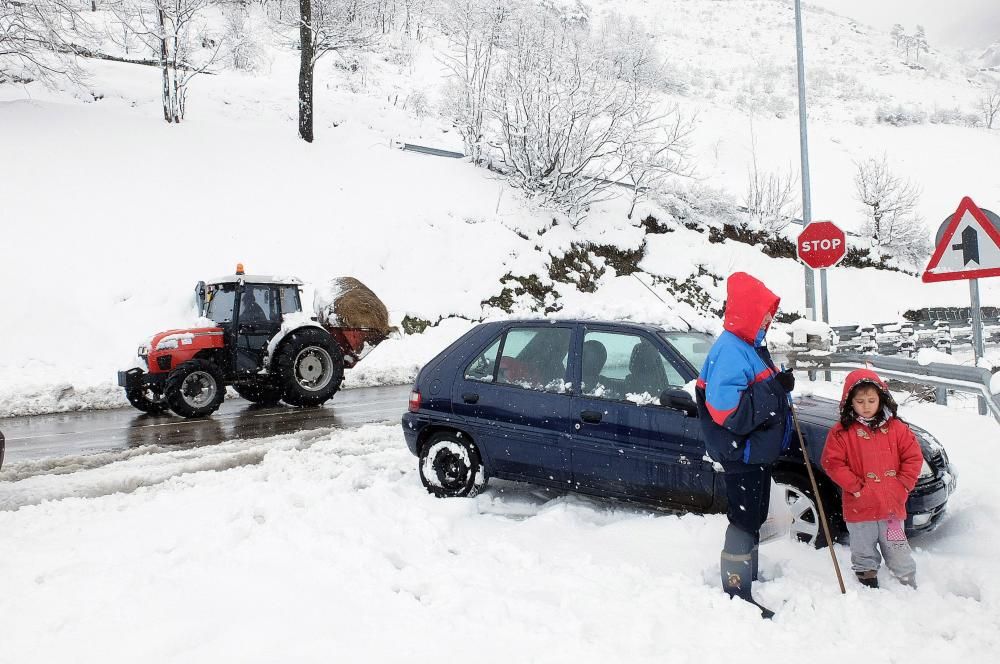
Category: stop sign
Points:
column 821, row 244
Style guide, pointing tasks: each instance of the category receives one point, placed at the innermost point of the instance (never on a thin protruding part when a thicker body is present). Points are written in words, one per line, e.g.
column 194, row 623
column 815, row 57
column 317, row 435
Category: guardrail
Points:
column 942, row 377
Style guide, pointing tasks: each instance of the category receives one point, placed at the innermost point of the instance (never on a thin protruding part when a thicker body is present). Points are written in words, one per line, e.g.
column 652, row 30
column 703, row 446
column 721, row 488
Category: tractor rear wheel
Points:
column 261, row 393
column 310, row 367
column 195, row 388
column 146, row 400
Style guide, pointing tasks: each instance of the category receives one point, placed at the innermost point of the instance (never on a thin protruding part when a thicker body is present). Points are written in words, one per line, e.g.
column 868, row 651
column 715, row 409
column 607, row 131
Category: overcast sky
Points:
column 952, row 23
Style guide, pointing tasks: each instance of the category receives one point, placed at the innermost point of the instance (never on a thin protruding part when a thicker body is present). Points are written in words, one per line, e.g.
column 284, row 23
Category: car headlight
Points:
column 925, row 470
column 167, row 344
column 143, row 350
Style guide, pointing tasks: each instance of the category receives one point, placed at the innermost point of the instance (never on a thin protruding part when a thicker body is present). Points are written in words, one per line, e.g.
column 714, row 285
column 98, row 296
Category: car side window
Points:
column 290, row 299
column 535, row 358
column 625, row 367
column 483, row 367
column 258, row 305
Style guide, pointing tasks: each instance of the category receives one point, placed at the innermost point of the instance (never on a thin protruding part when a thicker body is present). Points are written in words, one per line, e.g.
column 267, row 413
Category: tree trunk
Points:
column 306, row 72
column 165, row 67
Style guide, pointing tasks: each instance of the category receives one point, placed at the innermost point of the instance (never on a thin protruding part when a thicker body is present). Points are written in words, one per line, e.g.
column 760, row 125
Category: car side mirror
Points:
column 679, row 400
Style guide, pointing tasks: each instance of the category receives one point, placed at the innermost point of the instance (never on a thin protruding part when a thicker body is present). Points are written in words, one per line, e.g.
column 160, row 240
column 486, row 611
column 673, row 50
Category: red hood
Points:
column 861, row 376
column 748, row 301
column 193, row 331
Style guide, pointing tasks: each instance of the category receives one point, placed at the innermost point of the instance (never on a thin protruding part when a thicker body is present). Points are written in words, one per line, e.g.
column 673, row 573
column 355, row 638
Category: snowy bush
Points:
column 900, row 116
column 244, row 40
column 955, row 116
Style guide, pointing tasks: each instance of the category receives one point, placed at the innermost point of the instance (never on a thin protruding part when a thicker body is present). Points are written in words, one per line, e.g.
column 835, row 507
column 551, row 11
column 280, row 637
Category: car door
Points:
column 624, row 442
column 259, row 320
column 516, row 391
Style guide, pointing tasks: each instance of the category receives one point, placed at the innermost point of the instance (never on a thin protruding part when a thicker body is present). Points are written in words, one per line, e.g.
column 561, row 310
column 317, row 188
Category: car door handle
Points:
column 470, row 397
column 591, row 416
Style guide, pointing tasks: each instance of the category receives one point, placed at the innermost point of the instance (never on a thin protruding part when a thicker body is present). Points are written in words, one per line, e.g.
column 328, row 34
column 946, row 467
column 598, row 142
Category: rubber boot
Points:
column 909, row 580
column 736, row 566
column 869, row 578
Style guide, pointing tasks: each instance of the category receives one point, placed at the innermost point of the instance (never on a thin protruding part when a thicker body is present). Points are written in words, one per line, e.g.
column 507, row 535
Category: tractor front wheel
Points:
column 310, row 366
column 146, row 400
column 195, row 388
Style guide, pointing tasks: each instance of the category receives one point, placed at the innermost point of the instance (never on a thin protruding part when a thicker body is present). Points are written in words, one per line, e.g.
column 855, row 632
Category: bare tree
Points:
column 656, row 149
column 325, row 26
column 34, row 39
column 770, row 197
column 890, row 204
column 989, row 104
column 564, row 102
column 177, row 32
column 474, row 30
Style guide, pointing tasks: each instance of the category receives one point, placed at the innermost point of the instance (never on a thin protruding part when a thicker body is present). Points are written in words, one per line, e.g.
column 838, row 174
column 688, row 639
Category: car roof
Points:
column 625, row 324
column 254, row 279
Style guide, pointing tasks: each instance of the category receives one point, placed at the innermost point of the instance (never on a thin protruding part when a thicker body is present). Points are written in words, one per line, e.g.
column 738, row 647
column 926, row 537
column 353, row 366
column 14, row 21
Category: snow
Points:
column 995, row 384
column 294, row 547
column 927, row 356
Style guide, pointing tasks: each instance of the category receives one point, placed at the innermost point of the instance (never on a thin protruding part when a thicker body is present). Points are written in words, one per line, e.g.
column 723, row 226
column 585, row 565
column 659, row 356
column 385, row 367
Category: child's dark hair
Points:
column 885, row 401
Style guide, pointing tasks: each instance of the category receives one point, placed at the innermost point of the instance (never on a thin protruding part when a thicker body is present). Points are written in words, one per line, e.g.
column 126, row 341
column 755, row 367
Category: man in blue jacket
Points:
column 745, row 417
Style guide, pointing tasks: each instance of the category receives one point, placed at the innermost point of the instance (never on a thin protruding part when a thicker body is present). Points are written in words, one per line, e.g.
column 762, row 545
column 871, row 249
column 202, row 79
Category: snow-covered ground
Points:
column 325, row 547
column 110, row 216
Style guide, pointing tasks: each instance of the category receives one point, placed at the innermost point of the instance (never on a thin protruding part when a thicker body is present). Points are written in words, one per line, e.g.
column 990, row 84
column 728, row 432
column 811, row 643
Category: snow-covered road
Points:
column 324, row 547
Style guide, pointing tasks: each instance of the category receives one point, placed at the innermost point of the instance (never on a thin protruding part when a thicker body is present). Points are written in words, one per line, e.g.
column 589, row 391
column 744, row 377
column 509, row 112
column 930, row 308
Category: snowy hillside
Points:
column 111, row 215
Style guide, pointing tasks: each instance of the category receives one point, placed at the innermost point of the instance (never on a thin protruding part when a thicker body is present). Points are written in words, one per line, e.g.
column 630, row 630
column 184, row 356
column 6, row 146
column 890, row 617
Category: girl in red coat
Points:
column 875, row 458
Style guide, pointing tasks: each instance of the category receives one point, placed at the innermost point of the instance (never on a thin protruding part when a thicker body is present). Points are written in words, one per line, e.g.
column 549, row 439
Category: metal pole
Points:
column 977, row 331
column 804, row 153
column 827, row 376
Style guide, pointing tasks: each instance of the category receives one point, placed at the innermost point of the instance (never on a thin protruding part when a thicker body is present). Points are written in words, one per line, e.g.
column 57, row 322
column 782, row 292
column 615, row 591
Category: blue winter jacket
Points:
column 744, row 411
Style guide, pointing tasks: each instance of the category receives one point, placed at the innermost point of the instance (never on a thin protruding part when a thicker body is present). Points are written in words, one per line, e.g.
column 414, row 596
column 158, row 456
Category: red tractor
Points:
column 261, row 343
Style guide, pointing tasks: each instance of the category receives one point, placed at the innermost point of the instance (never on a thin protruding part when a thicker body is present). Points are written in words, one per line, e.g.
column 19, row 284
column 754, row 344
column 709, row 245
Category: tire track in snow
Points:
column 35, row 482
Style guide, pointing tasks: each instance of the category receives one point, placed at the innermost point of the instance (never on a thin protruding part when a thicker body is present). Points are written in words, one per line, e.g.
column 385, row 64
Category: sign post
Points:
column 821, row 245
column 967, row 247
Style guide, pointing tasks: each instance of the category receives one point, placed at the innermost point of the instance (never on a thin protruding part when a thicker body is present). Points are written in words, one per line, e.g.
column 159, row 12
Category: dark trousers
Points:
column 749, row 495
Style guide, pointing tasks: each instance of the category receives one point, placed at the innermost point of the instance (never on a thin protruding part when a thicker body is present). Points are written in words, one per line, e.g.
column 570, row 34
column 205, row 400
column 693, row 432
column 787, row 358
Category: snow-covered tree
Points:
column 897, row 33
column 180, row 35
column 566, row 99
column 890, row 205
column 989, row 104
column 475, row 32
column 35, row 39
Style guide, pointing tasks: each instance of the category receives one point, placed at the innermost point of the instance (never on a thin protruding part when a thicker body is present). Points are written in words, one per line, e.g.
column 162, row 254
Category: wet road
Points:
column 86, row 432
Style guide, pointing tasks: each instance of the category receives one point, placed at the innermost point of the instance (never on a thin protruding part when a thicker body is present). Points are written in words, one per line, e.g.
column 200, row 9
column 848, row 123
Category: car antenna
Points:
column 661, row 299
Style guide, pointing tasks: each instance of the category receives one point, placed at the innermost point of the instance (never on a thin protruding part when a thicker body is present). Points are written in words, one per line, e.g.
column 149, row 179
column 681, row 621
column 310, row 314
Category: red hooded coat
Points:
column 882, row 463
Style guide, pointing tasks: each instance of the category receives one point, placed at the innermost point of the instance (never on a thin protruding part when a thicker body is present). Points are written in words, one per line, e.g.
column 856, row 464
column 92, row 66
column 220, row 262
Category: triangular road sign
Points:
column 968, row 247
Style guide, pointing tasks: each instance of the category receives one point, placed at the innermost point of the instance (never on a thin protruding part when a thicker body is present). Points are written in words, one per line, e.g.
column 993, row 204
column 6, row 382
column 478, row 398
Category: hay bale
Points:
column 346, row 302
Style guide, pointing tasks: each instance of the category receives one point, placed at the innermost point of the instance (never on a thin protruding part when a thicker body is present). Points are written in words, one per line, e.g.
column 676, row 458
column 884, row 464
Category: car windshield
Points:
column 692, row 345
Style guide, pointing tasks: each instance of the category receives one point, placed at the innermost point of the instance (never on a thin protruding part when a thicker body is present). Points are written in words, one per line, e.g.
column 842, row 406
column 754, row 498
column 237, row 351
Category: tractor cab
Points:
column 249, row 309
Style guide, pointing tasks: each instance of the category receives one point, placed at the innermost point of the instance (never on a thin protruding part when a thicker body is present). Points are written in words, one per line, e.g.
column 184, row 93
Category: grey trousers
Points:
column 865, row 535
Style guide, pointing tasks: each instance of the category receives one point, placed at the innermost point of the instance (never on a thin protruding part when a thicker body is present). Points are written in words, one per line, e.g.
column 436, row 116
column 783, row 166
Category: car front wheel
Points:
column 797, row 493
column 450, row 466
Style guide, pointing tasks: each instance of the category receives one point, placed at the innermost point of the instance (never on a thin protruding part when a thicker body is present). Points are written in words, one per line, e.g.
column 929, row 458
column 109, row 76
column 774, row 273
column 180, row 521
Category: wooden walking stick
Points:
column 819, row 500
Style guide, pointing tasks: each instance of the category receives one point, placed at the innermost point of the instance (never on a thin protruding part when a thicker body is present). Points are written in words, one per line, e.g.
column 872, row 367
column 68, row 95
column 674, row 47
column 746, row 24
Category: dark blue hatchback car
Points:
column 601, row 408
